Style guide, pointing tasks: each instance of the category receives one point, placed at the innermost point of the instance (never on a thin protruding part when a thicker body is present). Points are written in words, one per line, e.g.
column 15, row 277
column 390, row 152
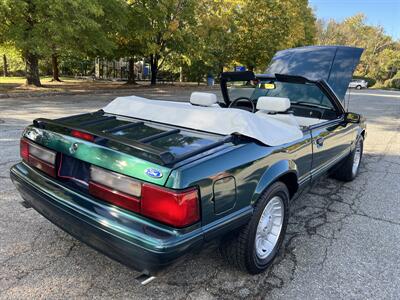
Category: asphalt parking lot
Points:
column 343, row 238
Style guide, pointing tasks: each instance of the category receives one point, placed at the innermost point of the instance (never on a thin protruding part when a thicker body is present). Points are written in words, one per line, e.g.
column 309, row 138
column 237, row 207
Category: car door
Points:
column 331, row 142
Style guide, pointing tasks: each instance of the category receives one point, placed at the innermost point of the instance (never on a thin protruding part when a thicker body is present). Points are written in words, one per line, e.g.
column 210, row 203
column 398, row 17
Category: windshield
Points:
column 298, row 93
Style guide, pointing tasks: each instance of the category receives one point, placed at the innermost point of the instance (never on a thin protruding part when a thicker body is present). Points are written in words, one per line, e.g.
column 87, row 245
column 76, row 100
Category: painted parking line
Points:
column 374, row 95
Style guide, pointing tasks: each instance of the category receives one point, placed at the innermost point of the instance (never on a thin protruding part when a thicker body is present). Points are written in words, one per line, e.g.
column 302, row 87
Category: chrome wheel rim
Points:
column 269, row 227
column 357, row 158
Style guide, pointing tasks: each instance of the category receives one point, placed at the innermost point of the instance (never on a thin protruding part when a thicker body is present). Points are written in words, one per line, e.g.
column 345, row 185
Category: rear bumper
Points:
column 127, row 238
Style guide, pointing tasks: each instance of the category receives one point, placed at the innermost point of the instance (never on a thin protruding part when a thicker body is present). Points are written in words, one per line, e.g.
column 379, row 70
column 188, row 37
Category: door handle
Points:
column 319, row 142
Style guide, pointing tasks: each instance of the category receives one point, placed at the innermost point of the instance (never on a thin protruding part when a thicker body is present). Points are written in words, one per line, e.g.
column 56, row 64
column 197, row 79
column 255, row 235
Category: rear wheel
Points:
column 348, row 169
column 358, row 87
column 254, row 248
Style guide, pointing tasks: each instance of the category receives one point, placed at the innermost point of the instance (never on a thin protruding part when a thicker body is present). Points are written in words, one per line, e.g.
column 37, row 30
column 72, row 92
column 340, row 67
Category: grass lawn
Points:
column 21, row 80
column 16, row 85
column 68, row 84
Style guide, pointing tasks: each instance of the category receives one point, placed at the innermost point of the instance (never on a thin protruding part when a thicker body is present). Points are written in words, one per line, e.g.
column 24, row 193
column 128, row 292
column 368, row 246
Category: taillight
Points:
column 38, row 157
column 42, row 154
column 24, row 149
column 114, row 197
column 117, row 181
column 115, row 188
column 179, row 209
column 82, row 135
column 175, row 208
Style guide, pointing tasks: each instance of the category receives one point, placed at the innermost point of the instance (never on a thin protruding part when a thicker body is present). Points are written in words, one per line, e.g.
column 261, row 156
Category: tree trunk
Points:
column 32, row 69
column 131, row 71
column 154, row 68
column 54, row 65
column 221, row 70
column 5, row 66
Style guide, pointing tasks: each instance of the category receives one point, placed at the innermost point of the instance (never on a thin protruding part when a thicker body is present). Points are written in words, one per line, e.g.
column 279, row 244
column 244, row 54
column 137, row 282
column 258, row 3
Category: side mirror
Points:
column 350, row 117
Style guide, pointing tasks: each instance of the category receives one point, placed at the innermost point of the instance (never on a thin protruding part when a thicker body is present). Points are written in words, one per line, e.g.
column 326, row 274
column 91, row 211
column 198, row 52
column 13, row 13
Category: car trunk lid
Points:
column 141, row 149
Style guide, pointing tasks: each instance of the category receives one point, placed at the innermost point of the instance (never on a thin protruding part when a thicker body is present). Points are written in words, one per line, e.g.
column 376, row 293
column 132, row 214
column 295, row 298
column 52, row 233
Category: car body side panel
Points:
column 299, row 163
column 245, row 163
column 331, row 142
column 253, row 166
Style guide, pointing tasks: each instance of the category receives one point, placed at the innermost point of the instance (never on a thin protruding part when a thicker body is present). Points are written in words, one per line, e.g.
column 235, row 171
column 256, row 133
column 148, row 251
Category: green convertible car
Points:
column 146, row 181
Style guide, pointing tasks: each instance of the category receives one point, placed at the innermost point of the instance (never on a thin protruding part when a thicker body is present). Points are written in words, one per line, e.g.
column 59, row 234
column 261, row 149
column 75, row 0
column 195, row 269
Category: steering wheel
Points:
column 234, row 104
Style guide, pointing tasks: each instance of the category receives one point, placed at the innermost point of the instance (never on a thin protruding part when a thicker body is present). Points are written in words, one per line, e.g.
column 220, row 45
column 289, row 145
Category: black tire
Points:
column 344, row 171
column 239, row 248
column 358, row 87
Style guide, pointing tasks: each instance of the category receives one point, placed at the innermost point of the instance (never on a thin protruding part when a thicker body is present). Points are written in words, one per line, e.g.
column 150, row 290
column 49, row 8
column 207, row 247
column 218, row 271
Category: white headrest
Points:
column 203, row 99
column 273, row 104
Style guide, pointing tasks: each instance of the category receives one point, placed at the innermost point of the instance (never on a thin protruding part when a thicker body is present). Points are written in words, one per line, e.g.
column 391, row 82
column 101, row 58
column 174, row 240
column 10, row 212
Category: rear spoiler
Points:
column 141, row 148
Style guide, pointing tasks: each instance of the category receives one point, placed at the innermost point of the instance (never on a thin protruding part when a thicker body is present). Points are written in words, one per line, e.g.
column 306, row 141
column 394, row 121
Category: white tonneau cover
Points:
column 211, row 119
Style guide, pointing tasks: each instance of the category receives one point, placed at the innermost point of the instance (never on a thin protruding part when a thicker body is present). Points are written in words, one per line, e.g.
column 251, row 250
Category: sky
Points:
column 385, row 13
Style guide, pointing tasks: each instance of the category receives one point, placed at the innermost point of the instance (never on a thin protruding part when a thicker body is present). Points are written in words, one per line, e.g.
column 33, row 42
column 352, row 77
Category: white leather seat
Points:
column 276, row 108
column 203, row 99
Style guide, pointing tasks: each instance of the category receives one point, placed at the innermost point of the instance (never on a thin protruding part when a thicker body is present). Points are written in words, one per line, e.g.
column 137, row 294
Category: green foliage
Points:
column 263, row 27
column 196, row 71
column 394, row 82
column 43, row 28
column 234, row 32
column 212, row 46
column 202, row 37
column 163, row 27
column 381, row 57
column 196, row 37
column 15, row 64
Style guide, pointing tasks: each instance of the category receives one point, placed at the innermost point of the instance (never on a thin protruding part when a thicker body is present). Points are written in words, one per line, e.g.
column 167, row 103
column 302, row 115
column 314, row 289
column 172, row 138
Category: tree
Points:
column 129, row 39
column 164, row 28
column 41, row 28
column 5, row 66
column 19, row 21
column 380, row 59
column 213, row 36
column 13, row 64
column 263, row 27
column 83, row 28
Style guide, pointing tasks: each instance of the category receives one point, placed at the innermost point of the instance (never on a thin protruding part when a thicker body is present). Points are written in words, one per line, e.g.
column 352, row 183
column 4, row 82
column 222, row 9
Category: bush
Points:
column 394, row 82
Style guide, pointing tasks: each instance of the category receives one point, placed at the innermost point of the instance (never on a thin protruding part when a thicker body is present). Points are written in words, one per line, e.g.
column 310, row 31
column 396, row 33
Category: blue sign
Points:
column 145, row 70
column 240, row 68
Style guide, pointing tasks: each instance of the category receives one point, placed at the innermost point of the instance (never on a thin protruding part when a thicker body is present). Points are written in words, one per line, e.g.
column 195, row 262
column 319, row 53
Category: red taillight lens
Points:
column 41, row 165
column 115, row 188
column 115, row 197
column 24, row 149
column 174, row 208
column 82, row 135
column 38, row 157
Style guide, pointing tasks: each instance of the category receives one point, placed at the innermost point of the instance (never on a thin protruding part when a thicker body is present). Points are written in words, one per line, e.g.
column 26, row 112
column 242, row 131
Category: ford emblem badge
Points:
column 153, row 173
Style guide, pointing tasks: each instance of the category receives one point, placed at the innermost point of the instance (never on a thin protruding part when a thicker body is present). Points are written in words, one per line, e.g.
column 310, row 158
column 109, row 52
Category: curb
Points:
column 49, row 94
